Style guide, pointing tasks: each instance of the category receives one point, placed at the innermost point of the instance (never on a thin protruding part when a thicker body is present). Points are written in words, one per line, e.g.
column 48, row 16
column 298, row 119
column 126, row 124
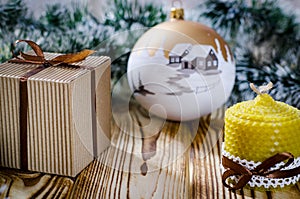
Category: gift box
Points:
column 55, row 116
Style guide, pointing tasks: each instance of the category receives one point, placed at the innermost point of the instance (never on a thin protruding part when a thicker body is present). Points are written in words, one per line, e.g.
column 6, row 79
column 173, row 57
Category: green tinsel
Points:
column 266, row 42
column 264, row 38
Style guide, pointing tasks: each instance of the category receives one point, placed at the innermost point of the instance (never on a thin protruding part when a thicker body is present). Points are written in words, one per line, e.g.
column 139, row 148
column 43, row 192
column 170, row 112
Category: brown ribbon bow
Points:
column 38, row 58
column 245, row 175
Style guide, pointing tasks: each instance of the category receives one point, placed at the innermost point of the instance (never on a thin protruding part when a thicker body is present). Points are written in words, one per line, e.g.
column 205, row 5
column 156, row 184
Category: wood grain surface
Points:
column 18, row 184
column 148, row 158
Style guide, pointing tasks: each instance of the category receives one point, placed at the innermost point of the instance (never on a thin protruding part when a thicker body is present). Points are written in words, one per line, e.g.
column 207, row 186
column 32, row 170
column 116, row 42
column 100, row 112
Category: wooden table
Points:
column 148, row 158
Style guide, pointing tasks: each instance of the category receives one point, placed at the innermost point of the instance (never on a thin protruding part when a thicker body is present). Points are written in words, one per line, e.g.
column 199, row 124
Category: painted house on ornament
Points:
column 178, row 52
column 200, row 57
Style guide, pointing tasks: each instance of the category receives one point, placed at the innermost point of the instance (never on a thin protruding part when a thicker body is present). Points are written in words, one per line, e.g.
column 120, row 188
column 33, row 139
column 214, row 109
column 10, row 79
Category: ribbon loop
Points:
column 242, row 180
column 244, row 175
column 263, row 168
column 39, row 57
column 36, row 48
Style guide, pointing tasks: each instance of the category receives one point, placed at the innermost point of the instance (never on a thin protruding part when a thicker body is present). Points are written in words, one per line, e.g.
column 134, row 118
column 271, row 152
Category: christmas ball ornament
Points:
column 181, row 70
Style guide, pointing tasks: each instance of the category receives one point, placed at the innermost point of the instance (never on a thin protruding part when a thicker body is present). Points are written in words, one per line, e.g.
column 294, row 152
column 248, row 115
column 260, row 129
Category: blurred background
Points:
column 95, row 6
column 264, row 35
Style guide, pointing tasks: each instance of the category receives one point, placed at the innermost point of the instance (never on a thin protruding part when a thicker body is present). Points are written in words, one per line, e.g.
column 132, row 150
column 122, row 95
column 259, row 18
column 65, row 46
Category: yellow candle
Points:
column 257, row 129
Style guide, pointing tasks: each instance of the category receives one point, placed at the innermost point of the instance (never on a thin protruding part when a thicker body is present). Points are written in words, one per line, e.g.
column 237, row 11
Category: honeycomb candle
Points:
column 261, row 147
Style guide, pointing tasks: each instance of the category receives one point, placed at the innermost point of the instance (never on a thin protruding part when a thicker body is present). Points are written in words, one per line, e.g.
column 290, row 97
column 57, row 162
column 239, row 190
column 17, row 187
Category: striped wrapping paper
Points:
column 68, row 116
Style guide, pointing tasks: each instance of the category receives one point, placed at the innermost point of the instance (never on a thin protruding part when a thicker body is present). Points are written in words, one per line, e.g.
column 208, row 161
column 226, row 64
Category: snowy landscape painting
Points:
column 194, row 74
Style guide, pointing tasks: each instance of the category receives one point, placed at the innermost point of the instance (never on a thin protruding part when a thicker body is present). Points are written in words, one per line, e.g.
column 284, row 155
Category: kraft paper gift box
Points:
column 67, row 117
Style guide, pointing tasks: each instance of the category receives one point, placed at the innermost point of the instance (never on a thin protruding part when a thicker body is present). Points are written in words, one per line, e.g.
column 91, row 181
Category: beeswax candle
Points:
column 261, row 148
column 260, row 128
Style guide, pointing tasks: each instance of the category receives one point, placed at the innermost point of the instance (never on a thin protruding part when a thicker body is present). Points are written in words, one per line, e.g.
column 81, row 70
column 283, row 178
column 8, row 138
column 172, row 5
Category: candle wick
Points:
column 261, row 89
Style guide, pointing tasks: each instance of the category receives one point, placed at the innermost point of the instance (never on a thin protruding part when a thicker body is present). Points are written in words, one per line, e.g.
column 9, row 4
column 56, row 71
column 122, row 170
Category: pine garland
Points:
column 264, row 38
column 58, row 30
column 265, row 32
column 128, row 21
column 65, row 30
column 266, row 43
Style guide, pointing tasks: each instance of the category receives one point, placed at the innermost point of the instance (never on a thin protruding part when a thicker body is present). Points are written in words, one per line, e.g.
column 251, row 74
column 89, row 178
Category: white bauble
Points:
column 181, row 70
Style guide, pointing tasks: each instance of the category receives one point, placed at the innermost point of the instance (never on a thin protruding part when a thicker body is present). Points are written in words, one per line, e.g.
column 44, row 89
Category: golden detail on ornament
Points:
column 178, row 29
column 176, row 13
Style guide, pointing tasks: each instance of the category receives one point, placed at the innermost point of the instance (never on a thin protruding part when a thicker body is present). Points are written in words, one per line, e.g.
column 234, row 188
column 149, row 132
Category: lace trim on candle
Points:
column 260, row 181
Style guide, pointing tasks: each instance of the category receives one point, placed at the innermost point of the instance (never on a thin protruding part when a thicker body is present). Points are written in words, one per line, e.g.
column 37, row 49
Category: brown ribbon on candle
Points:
column 39, row 58
column 245, row 174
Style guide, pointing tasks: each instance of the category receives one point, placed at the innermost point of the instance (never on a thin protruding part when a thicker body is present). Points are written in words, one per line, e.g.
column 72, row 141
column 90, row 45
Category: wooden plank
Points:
column 170, row 160
column 19, row 184
column 138, row 165
column 149, row 158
